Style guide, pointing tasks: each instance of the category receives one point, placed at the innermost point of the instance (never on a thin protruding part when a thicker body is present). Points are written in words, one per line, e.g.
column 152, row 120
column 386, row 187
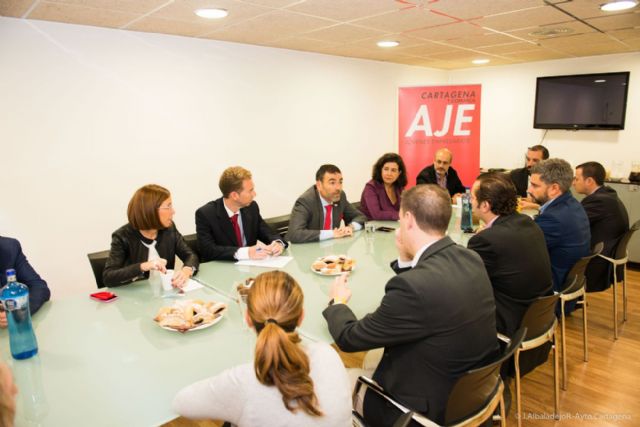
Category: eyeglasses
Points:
column 170, row 206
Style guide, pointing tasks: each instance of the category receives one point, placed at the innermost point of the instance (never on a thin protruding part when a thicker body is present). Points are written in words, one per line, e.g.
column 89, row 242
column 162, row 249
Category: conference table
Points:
column 110, row 364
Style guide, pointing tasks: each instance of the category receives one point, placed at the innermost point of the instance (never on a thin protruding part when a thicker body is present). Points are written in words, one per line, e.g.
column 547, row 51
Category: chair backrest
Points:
column 540, row 316
column 279, row 223
column 475, row 388
column 621, row 249
column 192, row 241
column 576, row 278
column 97, row 261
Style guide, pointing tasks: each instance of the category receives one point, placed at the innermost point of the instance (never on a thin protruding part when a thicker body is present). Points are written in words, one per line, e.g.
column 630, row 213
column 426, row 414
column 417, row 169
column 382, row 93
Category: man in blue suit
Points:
column 11, row 256
column 562, row 218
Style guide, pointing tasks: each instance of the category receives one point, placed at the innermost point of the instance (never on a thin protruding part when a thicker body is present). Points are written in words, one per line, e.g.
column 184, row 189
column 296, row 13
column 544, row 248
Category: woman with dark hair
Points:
column 381, row 196
column 288, row 383
column 149, row 242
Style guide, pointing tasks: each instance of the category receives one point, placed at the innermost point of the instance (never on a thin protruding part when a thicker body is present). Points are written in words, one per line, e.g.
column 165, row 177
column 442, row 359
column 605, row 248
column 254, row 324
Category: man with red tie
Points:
column 231, row 227
column 317, row 214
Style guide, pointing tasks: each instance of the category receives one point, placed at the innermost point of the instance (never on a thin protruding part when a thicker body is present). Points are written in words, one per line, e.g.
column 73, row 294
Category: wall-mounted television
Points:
column 584, row 101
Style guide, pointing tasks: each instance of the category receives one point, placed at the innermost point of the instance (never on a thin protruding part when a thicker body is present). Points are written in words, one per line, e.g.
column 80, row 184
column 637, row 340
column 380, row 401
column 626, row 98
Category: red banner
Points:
column 433, row 117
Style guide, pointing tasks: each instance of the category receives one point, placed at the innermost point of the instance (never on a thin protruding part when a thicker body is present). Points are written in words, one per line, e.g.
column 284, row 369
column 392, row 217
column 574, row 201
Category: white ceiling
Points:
column 444, row 34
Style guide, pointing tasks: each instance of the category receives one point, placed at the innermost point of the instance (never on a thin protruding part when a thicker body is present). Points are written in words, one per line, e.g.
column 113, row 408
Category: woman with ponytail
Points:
column 288, row 384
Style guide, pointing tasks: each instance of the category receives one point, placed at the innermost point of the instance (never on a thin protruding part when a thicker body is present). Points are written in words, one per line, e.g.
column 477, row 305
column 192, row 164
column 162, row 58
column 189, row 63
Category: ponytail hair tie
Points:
column 271, row 321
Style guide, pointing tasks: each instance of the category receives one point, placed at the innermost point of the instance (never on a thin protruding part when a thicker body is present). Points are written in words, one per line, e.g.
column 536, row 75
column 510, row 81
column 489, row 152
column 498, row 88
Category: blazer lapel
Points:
column 319, row 211
column 225, row 222
column 247, row 224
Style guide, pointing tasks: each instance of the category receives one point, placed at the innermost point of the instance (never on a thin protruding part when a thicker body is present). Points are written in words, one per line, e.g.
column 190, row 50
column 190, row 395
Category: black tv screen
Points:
column 585, row 101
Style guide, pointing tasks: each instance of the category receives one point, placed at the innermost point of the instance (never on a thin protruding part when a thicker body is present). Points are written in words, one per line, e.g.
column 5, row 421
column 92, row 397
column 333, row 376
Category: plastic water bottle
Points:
column 466, row 221
column 15, row 299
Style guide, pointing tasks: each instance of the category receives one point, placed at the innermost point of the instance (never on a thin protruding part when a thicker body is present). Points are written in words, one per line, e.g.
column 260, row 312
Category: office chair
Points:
column 473, row 398
column 575, row 286
column 540, row 323
column 192, row 241
column 98, row 261
column 620, row 259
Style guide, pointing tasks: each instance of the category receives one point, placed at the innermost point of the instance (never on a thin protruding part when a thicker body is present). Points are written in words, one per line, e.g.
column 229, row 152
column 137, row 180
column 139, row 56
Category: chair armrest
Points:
column 505, row 339
column 378, row 390
column 611, row 260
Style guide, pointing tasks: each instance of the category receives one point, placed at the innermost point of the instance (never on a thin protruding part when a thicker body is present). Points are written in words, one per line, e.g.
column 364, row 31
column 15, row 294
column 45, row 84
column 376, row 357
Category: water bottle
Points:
column 466, row 221
column 15, row 299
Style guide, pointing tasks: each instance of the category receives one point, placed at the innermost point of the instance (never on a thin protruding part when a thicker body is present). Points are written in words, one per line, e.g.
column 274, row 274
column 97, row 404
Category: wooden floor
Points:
column 602, row 392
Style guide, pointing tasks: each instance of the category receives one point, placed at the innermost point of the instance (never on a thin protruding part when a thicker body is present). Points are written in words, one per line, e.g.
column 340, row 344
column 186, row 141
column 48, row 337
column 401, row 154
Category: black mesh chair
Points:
column 280, row 224
column 192, row 241
column 473, row 398
column 540, row 322
column 403, row 420
column 97, row 261
column 575, row 286
column 621, row 258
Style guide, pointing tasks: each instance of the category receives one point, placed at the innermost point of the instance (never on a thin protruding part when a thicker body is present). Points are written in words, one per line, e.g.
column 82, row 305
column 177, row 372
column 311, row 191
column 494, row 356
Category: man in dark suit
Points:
column 562, row 219
column 11, row 256
column 519, row 280
column 608, row 219
column 317, row 213
column 442, row 174
column 231, row 227
column 520, row 177
column 435, row 321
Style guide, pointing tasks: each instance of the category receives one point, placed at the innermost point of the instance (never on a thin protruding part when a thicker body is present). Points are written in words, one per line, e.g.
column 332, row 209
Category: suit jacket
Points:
column 516, row 280
column 520, row 179
column 609, row 220
column 428, row 176
column 216, row 238
column 435, row 321
column 11, row 256
column 566, row 231
column 127, row 253
column 307, row 216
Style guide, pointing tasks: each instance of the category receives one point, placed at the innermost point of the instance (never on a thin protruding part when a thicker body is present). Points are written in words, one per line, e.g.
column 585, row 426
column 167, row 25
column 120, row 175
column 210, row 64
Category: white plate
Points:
column 197, row 328
column 330, row 274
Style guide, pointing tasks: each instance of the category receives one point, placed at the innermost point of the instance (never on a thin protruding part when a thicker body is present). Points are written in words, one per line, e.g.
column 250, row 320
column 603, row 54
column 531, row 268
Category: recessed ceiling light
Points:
column 388, row 43
column 211, row 13
column 481, row 61
column 614, row 6
column 599, row 81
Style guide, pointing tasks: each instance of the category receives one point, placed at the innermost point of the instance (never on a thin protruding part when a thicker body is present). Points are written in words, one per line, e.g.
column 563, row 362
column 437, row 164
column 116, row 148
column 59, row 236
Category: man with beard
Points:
column 520, row 177
column 441, row 173
column 317, row 213
column 562, row 219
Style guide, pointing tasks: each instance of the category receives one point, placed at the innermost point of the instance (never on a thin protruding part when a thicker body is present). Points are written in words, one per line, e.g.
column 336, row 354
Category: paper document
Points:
column 271, row 262
column 191, row 285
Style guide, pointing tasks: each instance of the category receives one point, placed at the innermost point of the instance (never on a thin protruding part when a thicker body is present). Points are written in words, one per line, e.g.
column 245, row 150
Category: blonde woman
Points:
column 288, row 383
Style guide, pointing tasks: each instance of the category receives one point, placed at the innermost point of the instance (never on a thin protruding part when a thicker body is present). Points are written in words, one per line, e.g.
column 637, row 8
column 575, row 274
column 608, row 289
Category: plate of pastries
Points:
column 332, row 265
column 190, row 315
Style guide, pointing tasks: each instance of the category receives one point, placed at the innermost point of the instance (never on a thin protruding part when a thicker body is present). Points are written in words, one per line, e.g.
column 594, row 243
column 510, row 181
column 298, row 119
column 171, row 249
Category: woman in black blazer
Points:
column 149, row 242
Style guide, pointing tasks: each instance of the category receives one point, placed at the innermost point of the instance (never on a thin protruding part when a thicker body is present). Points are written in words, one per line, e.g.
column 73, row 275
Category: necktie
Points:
column 327, row 218
column 236, row 228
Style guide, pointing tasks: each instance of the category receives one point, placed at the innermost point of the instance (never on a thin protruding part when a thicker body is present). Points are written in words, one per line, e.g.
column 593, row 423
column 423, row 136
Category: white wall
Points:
column 508, row 95
column 87, row 115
